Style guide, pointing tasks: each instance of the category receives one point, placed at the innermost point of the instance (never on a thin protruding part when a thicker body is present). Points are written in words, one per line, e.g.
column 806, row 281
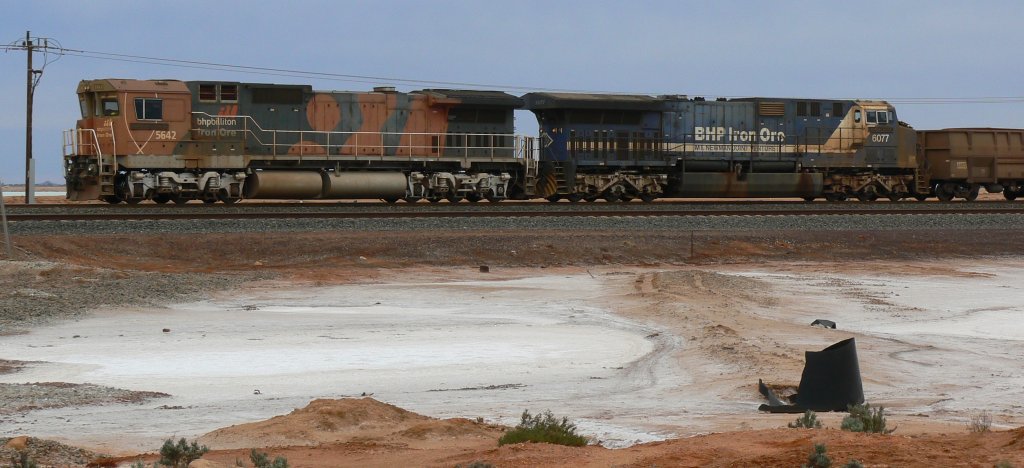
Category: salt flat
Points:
column 935, row 344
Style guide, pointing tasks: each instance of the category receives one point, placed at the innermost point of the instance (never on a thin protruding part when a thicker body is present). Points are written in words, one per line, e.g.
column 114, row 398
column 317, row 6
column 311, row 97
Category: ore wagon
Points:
column 961, row 161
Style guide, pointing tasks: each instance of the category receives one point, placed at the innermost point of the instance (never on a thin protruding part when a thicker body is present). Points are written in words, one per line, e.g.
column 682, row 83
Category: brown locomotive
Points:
column 167, row 140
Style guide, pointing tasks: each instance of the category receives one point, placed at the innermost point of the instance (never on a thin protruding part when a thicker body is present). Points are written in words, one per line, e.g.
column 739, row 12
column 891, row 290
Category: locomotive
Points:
column 625, row 147
column 169, row 140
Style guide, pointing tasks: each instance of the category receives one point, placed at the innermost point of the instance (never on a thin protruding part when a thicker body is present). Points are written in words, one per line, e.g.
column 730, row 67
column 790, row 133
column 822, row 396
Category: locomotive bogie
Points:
column 621, row 185
column 136, row 186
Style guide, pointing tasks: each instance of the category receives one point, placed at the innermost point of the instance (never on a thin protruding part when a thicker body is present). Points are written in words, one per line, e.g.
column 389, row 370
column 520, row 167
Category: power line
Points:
column 382, row 80
column 292, row 72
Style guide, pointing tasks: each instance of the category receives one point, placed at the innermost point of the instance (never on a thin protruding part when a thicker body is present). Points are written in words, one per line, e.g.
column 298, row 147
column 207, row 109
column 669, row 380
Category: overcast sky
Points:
column 892, row 50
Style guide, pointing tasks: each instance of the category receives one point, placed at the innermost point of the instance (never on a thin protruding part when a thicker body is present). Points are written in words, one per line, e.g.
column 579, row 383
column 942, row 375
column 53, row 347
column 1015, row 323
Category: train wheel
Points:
column 494, row 199
column 835, row 197
column 867, row 197
column 434, row 199
column 894, row 197
column 973, row 194
column 943, row 195
column 808, row 199
column 226, row 199
column 112, row 199
column 453, row 198
column 133, row 201
column 920, row 197
column 390, row 200
column 611, row 197
column 553, row 198
column 574, row 197
column 591, row 198
column 1010, row 195
column 161, row 198
column 473, row 197
column 412, row 199
column 647, row 197
column 626, row 198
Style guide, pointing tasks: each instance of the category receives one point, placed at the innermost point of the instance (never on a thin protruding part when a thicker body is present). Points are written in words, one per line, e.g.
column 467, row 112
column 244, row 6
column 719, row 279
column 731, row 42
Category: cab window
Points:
column 878, row 117
column 110, row 108
column 149, row 109
column 856, row 116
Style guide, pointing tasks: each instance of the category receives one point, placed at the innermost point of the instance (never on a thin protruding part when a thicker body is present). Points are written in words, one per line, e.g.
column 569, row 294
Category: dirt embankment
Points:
column 365, row 432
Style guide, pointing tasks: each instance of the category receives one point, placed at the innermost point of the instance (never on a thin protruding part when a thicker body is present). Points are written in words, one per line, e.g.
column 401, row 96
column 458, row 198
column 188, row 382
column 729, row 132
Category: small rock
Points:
column 257, row 263
column 167, row 330
column 485, row 269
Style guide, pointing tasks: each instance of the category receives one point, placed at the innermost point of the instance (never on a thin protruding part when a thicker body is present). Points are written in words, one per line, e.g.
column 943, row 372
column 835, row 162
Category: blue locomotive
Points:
column 620, row 147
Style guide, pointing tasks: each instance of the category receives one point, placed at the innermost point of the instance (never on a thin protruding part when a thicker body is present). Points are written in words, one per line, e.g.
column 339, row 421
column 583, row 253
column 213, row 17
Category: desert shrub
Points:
column 980, row 422
column 543, row 428
column 1004, row 464
column 262, row 460
column 181, row 454
column 853, row 464
column 22, row 460
column 863, row 418
column 808, row 420
column 818, row 458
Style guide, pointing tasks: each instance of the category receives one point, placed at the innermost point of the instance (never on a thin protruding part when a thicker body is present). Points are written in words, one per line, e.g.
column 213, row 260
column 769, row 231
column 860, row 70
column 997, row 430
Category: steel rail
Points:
column 536, row 203
column 284, row 214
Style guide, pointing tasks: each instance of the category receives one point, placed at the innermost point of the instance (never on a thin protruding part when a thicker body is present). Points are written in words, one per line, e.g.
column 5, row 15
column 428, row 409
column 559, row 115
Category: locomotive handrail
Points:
column 73, row 140
column 438, row 141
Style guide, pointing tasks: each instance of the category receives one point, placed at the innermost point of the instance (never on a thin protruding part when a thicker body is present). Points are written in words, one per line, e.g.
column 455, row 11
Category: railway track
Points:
column 30, row 213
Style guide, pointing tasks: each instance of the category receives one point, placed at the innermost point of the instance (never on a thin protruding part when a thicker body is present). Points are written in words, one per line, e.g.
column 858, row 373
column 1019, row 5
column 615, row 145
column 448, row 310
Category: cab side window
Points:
column 878, row 117
column 149, row 109
column 110, row 108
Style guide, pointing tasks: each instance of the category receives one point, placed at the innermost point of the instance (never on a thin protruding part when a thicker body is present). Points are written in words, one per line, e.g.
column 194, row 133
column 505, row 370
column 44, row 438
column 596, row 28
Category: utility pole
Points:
column 29, row 194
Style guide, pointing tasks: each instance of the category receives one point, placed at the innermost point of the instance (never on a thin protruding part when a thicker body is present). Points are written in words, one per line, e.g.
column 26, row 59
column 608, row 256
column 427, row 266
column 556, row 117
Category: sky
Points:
column 897, row 51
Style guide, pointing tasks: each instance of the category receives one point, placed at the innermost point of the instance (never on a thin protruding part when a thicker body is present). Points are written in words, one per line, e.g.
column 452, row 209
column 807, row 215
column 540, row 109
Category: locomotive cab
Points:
column 121, row 120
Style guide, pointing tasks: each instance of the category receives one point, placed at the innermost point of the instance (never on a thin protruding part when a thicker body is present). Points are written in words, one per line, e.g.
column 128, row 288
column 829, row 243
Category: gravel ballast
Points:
column 879, row 222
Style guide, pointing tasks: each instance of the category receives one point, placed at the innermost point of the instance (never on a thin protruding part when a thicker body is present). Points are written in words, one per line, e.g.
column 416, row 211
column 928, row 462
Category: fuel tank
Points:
column 754, row 185
column 321, row 185
column 364, row 185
